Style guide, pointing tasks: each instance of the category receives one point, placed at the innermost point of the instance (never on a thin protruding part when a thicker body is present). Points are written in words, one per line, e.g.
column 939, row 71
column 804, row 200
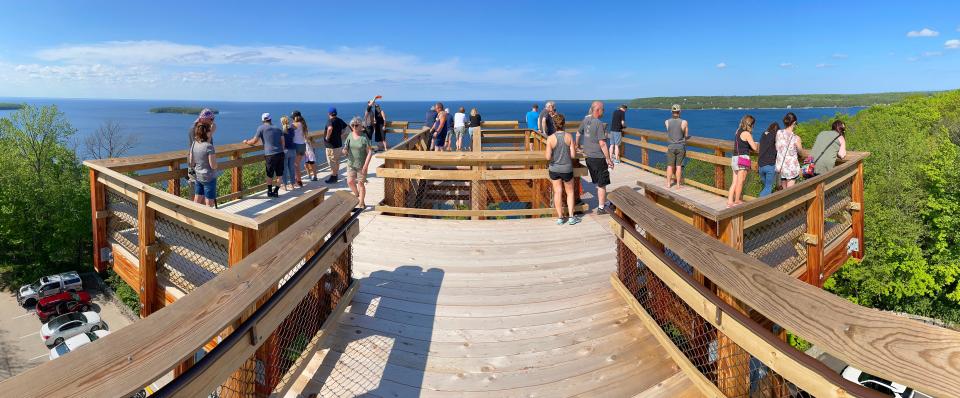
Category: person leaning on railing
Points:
column 202, row 160
column 474, row 129
column 677, row 133
column 766, row 162
column 789, row 145
column 829, row 146
column 358, row 149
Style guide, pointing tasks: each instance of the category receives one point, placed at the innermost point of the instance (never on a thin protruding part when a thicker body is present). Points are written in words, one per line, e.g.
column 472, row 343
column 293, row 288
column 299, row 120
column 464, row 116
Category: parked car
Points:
column 66, row 326
column 62, row 303
column 76, row 342
column 29, row 295
column 887, row 387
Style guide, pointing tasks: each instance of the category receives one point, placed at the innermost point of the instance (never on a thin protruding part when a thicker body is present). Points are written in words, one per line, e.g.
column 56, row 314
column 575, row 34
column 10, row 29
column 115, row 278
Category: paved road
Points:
column 21, row 347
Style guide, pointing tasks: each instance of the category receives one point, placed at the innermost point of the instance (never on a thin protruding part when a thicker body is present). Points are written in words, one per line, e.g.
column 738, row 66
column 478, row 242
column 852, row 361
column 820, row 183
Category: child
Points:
column 311, row 162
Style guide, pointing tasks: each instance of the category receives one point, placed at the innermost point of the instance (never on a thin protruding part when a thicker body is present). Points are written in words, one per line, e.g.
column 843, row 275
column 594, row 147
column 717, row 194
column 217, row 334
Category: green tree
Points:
column 44, row 202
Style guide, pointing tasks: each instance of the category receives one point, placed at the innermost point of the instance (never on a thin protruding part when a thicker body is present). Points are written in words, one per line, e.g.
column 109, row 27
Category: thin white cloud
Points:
column 824, row 65
column 925, row 32
column 912, row 59
column 952, row 44
column 722, row 65
column 932, row 54
column 786, row 65
column 839, row 56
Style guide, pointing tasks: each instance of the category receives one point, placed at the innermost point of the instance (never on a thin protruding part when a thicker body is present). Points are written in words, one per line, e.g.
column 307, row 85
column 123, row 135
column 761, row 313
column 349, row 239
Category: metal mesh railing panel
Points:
column 721, row 361
column 296, row 336
column 777, row 242
column 188, row 257
column 122, row 223
column 836, row 214
column 468, row 195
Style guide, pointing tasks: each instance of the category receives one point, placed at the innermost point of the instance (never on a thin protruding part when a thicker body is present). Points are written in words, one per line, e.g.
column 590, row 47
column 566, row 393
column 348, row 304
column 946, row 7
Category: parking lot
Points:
column 21, row 346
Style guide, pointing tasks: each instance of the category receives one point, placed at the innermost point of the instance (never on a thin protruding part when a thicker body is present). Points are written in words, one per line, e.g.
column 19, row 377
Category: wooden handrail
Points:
column 130, row 358
column 907, row 351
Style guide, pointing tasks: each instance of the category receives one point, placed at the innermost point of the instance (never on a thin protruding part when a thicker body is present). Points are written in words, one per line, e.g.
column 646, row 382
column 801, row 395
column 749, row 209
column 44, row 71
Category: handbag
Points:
column 810, row 164
column 742, row 161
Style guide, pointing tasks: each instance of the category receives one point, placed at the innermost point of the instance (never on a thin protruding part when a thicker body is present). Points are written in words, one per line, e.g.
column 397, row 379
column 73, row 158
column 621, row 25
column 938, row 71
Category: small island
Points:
column 774, row 101
column 186, row 110
column 8, row 106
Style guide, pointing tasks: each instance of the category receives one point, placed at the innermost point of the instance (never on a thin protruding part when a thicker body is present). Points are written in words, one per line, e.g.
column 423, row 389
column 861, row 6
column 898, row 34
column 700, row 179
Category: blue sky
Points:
column 426, row 50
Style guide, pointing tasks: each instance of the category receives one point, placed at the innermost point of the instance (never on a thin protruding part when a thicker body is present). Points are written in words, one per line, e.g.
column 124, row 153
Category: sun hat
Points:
column 675, row 108
column 206, row 113
column 265, row 116
column 332, row 110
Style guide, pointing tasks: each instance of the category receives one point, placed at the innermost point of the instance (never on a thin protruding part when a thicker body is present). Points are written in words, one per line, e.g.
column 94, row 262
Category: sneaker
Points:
column 573, row 220
column 314, row 178
column 560, row 221
column 601, row 211
column 331, row 180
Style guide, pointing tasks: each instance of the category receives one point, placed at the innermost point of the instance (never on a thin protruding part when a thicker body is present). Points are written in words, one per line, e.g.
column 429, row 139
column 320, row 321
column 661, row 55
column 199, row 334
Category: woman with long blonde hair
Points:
column 743, row 143
column 289, row 154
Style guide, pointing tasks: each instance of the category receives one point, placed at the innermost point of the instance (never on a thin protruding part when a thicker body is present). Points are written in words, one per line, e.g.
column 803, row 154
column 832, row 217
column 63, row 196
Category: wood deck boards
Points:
column 505, row 308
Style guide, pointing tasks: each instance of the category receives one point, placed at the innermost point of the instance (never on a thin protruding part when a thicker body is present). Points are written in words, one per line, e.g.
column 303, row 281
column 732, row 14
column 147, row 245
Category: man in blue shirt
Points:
column 532, row 117
column 272, row 138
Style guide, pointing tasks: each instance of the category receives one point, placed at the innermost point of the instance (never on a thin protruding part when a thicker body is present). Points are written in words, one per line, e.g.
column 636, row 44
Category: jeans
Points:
column 768, row 175
column 289, row 163
column 206, row 189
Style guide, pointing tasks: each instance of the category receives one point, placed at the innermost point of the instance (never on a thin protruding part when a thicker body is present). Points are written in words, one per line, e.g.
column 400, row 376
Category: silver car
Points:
column 68, row 325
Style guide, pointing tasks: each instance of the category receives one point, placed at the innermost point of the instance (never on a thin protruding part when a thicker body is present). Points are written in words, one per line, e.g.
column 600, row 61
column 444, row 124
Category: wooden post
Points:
column 98, row 208
column 242, row 242
column 709, row 227
column 719, row 171
column 815, row 228
column 644, row 154
column 733, row 364
column 173, row 184
column 236, row 175
column 478, row 194
column 147, row 238
column 477, row 139
column 856, row 194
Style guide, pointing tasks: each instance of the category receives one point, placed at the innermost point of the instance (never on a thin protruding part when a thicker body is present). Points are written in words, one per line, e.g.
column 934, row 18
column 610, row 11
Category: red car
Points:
column 62, row 303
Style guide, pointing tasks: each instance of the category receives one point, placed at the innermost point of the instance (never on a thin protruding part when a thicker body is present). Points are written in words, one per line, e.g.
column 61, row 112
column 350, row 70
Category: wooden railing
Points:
column 808, row 230
column 164, row 245
column 724, row 316
column 418, row 182
column 265, row 311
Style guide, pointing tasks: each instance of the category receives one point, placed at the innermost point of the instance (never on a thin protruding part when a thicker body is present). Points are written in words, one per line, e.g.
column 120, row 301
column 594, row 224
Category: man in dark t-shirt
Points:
column 617, row 125
column 333, row 141
column 272, row 138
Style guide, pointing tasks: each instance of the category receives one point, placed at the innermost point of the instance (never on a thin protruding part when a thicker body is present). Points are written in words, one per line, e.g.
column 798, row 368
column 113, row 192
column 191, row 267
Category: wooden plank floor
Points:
column 503, row 308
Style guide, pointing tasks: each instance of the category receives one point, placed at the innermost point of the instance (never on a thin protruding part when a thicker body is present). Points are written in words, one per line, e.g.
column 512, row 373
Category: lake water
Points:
column 239, row 120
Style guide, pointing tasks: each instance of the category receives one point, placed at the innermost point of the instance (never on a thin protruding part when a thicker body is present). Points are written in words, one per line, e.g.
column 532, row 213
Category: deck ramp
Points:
column 505, row 308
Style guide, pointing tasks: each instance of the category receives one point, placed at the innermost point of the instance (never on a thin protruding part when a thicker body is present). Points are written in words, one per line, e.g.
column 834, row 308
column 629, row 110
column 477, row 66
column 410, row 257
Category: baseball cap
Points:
column 265, row 116
column 675, row 108
column 332, row 110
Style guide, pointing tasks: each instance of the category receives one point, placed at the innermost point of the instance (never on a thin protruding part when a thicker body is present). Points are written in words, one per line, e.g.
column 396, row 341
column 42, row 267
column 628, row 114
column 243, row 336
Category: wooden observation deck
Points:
column 458, row 283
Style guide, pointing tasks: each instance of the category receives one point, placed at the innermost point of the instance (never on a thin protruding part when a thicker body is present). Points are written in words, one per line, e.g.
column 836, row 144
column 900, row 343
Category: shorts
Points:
column 615, row 138
column 368, row 131
column 274, row 165
column 301, row 149
column 566, row 177
column 735, row 165
column 333, row 156
column 440, row 140
column 458, row 132
column 355, row 174
column 675, row 155
column 599, row 174
column 206, row 189
column 378, row 133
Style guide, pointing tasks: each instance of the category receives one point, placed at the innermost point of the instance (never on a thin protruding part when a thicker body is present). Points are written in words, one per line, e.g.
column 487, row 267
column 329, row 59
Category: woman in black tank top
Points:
column 740, row 162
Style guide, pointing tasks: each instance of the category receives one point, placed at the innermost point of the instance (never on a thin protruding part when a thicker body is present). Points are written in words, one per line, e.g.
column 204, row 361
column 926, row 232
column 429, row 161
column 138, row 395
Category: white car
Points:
column 68, row 325
column 76, row 342
column 887, row 387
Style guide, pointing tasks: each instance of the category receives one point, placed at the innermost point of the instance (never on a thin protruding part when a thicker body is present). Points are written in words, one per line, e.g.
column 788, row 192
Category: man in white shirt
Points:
column 459, row 127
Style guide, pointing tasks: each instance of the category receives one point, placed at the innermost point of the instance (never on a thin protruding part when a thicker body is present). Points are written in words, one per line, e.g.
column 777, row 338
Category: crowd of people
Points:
column 287, row 150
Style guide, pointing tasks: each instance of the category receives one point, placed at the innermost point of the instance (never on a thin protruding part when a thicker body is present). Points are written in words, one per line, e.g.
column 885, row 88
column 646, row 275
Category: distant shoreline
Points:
column 184, row 110
column 800, row 101
column 6, row 106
